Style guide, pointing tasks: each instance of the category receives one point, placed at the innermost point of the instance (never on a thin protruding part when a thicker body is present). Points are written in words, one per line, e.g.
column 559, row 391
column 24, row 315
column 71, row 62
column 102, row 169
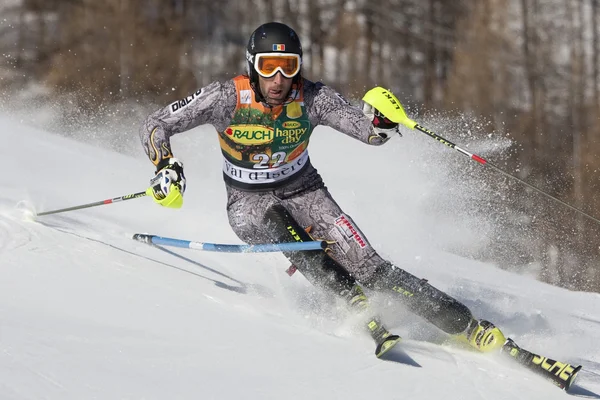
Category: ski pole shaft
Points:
column 97, row 203
column 404, row 120
column 231, row 248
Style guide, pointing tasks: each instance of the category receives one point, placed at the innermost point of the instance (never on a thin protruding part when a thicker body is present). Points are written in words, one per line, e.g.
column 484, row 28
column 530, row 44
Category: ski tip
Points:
column 572, row 378
column 386, row 345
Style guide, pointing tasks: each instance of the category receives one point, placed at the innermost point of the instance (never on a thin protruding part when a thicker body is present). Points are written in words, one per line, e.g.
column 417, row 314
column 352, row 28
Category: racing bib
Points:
column 264, row 145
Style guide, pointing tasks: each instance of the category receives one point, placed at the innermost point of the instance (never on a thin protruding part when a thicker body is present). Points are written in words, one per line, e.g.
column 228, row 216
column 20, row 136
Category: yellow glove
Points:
column 168, row 186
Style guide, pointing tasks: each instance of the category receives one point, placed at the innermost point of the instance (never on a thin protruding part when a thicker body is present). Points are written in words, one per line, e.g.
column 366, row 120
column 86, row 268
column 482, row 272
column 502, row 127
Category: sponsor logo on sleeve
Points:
column 181, row 104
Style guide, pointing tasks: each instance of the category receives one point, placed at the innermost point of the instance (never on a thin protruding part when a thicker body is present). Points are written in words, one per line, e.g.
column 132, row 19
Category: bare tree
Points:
column 595, row 60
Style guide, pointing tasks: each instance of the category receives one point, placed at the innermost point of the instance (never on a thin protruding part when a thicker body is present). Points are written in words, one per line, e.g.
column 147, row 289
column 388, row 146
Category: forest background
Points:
column 522, row 71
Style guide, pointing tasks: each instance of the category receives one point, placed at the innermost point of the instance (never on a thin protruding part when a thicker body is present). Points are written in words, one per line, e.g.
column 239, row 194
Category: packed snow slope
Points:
column 88, row 313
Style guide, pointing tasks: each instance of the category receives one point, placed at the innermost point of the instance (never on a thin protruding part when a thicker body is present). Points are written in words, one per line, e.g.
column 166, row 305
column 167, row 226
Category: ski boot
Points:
column 356, row 298
column 483, row 336
column 383, row 338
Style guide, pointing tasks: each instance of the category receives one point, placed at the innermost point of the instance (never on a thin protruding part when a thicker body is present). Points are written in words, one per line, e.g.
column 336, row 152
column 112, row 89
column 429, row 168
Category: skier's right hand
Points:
column 168, row 186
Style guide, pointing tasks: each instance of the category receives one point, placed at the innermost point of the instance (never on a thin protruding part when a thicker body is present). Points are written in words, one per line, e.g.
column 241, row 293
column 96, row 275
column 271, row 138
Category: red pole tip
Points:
column 478, row 159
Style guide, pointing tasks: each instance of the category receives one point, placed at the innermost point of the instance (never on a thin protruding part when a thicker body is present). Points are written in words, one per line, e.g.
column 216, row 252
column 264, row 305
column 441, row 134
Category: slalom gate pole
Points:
column 98, row 203
column 231, row 248
column 409, row 123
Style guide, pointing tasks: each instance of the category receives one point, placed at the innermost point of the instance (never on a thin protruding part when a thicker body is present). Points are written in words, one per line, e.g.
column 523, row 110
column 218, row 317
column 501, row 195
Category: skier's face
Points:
column 275, row 89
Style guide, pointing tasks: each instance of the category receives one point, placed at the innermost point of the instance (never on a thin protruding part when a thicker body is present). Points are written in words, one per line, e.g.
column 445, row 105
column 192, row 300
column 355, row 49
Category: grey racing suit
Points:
column 247, row 143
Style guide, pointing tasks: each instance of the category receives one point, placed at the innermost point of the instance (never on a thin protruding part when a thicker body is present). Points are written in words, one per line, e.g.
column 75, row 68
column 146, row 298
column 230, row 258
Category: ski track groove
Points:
column 438, row 352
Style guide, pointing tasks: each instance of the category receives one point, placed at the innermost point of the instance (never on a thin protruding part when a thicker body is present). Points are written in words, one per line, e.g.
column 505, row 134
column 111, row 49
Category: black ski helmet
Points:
column 263, row 40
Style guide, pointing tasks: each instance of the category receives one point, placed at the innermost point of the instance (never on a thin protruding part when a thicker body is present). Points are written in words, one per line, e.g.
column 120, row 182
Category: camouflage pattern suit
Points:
column 266, row 167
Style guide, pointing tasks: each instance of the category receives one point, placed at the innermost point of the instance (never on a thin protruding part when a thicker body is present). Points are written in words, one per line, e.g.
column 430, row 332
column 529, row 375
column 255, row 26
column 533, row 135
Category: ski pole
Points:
column 97, row 203
column 231, row 248
column 400, row 117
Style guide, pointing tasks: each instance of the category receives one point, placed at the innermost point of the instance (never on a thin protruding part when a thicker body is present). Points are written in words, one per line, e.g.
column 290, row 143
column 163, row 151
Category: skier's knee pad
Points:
column 315, row 265
column 282, row 225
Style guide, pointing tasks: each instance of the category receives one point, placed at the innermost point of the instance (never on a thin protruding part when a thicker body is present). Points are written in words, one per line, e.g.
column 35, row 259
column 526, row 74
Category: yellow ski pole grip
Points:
column 389, row 105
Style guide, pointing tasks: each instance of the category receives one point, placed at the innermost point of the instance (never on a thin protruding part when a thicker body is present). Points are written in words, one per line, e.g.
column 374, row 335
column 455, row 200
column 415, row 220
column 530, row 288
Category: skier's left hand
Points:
column 382, row 126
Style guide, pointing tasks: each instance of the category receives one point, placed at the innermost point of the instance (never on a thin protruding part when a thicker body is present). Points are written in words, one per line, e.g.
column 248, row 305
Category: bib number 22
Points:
column 264, row 161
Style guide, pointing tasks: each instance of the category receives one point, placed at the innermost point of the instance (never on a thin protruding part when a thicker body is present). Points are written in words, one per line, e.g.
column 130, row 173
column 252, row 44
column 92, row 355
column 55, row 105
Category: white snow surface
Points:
column 88, row 313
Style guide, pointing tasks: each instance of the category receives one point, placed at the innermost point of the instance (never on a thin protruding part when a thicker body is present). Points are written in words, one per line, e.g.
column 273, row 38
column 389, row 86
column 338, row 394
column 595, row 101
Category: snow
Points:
column 88, row 313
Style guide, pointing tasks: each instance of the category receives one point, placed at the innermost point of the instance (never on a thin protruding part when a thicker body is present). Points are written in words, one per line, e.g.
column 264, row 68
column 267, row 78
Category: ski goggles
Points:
column 268, row 64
